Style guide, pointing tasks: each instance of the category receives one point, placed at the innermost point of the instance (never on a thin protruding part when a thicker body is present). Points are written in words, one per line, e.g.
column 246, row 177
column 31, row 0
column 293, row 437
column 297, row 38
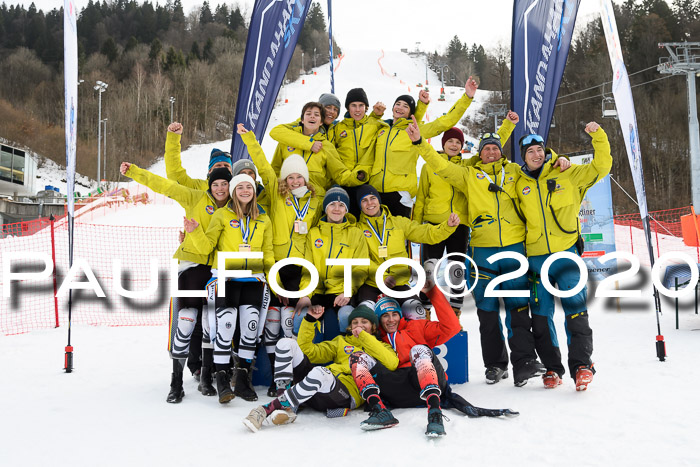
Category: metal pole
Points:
column 302, row 61
column 694, row 137
column 330, row 45
column 99, row 133
column 495, row 122
column 104, row 151
column 314, row 57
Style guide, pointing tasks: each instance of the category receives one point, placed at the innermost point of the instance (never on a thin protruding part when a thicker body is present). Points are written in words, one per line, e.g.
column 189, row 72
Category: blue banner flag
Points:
column 542, row 31
column 272, row 36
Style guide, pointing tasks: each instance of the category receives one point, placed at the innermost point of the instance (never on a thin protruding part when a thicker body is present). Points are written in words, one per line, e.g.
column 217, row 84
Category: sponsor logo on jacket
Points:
column 234, row 223
column 367, row 233
column 344, row 134
column 290, row 149
column 318, row 243
column 526, row 190
column 348, row 349
column 210, row 210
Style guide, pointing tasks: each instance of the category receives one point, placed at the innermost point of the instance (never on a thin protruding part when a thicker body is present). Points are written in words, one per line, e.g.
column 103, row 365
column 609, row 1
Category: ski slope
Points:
column 111, row 411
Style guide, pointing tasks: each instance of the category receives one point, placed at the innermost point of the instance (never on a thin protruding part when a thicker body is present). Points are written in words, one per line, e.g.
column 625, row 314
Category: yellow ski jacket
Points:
column 559, row 194
column 338, row 351
column 199, row 205
column 395, row 157
column 226, row 233
column 397, row 230
column 328, row 240
column 286, row 242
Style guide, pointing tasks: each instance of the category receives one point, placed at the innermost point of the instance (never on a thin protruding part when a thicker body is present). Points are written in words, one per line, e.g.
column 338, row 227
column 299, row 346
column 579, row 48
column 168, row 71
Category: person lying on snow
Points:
column 328, row 388
column 420, row 378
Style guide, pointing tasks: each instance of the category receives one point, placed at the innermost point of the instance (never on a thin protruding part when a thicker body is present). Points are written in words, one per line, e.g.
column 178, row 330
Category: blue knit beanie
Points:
column 386, row 304
column 217, row 155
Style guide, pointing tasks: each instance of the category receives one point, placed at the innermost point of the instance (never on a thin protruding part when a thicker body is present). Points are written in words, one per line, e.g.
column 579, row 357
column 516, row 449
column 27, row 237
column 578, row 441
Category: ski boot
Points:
column 495, row 374
column 205, row 382
column 435, row 427
column 529, row 369
column 584, row 375
column 223, row 387
column 379, row 418
column 551, row 380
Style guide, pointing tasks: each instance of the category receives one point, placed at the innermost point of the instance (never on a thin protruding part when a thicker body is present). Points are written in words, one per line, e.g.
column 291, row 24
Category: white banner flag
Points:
column 70, row 70
column 622, row 91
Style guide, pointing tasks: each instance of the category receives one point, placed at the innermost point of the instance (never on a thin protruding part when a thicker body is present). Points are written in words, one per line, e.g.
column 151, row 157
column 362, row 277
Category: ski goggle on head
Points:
column 531, row 139
column 490, row 135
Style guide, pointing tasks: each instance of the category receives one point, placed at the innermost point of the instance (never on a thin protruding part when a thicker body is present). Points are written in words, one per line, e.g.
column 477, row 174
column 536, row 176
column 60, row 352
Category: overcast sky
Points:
column 377, row 24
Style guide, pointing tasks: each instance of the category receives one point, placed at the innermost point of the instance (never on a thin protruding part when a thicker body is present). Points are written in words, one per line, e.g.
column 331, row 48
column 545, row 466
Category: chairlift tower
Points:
column 685, row 58
column 495, row 111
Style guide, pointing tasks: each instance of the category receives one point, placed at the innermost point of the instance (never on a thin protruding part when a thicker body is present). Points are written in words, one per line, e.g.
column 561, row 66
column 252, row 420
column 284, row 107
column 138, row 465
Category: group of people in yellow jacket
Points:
column 344, row 190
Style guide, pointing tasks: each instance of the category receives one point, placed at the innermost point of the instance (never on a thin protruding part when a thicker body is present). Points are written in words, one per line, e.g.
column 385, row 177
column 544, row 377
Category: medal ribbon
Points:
column 381, row 239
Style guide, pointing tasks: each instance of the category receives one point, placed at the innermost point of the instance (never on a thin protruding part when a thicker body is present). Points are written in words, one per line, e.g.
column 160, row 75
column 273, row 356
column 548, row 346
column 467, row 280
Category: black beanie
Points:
column 356, row 95
column 221, row 173
column 408, row 100
column 365, row 190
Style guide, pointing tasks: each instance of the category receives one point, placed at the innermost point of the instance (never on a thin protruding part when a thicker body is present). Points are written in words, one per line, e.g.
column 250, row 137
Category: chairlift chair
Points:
column 608, row 108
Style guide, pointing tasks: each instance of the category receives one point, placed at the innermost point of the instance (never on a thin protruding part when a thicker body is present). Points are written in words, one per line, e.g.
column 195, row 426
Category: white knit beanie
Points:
column 239, row 179
column 294, row 164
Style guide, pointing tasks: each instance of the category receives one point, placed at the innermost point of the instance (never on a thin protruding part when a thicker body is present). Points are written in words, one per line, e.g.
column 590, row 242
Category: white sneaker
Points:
column 282, row 417
column 255, row 419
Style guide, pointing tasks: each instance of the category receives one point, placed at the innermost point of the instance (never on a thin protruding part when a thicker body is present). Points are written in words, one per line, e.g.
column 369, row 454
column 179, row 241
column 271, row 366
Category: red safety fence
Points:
column 666, row 234
column 32, row 303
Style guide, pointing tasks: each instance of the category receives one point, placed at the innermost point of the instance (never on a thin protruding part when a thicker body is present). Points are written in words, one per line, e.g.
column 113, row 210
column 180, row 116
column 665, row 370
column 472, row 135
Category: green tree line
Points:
column 146, row 54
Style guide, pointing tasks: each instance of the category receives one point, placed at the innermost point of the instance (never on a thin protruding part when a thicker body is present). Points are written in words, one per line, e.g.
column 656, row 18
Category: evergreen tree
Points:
column 194, row 51
column 156, row 49
column 205, row 16
column 131, row 44
column 221, row 14
column 208, row 53
column 178, row 12
column 109, row 50
column 236, row 20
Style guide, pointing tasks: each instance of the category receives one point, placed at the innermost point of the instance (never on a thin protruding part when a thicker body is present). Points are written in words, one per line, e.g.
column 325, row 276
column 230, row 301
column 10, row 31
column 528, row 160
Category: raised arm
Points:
column 173, row 164
column 169, row 188
column 447, row 121
column 454, row 174
column 267, row 174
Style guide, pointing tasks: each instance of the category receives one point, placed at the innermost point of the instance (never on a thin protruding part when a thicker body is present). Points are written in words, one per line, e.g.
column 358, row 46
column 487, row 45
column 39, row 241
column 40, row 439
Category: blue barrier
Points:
column 454, row 357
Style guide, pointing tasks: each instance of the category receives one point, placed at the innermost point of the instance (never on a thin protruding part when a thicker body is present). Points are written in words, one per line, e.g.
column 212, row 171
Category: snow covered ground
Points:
column 112, row 410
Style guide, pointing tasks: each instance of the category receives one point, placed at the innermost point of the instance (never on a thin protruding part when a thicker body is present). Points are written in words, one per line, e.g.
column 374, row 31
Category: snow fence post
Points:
column 53, row 258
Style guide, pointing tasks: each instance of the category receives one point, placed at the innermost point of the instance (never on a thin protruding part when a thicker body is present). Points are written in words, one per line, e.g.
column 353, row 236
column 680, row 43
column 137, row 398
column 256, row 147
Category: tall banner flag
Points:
column 272, row 36
column 622, row 91
column 542, row 31
column 70, row 71
column 330, row 45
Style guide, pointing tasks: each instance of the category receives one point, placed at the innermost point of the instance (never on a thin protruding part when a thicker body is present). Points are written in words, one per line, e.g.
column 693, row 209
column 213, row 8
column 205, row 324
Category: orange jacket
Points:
column 422, row 331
